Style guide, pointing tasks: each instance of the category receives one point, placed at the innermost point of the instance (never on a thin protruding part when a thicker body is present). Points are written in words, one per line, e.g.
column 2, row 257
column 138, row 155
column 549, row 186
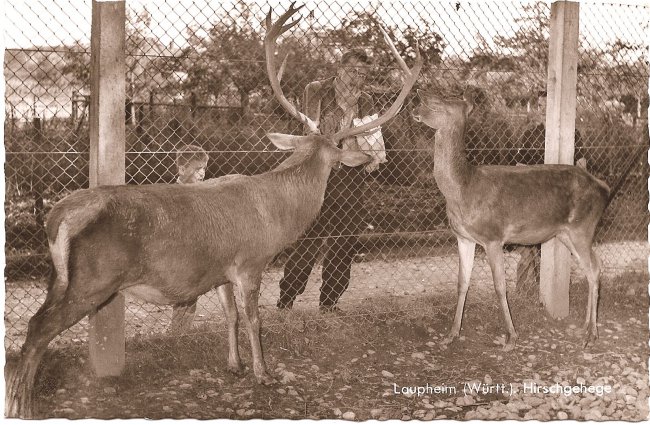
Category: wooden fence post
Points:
column 560, row 130
column 107, row 161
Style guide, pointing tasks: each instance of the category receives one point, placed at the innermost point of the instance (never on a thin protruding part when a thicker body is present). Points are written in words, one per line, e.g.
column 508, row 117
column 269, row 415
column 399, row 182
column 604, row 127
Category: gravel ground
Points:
column 340, row 368
column 367, row 362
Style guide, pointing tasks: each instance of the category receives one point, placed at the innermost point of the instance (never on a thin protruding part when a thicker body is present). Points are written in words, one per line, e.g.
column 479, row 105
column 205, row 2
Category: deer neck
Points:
column 303, row 189
column 451, row 169
column 310, row 194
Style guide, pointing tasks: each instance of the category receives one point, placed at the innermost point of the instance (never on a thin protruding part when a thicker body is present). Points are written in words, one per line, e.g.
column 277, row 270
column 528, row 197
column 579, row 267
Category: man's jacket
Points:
column 319, row 104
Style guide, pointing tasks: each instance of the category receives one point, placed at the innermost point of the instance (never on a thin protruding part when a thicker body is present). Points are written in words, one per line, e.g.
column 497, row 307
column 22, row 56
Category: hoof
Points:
column 19, row 407
column 449, row 339
column 590, row 338
column 266, row 379
column 18, row 400
column 236, row 370
column 510, row 343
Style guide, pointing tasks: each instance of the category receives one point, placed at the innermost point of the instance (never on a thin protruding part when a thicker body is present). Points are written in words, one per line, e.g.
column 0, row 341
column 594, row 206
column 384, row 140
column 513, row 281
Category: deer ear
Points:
column 284, row 141
column 470, row 107
column 423, row 94
column 469, row 94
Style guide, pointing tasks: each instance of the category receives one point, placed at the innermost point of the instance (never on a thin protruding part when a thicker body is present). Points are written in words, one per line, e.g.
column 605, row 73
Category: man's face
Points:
column 193, row 172
column 353, row 73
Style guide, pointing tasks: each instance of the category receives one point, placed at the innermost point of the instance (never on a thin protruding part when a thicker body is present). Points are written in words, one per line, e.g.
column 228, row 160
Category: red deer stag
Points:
column 169, row 244
column 494, row 205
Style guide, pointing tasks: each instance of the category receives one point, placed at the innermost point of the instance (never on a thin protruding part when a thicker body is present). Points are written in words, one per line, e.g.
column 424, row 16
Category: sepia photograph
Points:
column 337, row 209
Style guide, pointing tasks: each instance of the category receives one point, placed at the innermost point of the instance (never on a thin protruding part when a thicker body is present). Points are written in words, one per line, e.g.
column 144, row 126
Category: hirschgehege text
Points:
column 567, row 390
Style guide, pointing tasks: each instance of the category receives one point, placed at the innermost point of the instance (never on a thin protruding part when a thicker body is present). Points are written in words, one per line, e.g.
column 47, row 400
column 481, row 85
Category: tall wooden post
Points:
column 107, row 166
column 560, row 132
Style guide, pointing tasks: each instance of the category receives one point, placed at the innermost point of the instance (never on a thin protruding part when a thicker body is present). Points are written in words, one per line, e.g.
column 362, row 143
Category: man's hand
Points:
column 371, row 166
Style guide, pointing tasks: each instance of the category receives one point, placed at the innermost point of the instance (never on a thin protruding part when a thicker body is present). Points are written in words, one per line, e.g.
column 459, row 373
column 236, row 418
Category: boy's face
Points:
column 193, row 172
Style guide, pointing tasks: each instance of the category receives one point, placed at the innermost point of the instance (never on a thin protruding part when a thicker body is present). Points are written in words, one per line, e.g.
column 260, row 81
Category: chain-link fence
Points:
column 196, row 75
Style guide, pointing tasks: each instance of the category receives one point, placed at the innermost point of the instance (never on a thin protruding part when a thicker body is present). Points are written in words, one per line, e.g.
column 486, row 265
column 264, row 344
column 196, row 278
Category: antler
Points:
column 410, row 76
column 273, row 31
column 393, row 49
column 282, row 66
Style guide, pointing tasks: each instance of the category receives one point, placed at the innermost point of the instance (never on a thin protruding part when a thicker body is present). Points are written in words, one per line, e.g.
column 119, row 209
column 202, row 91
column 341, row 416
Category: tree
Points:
column 484, row 56
column 529, row 44
column 77, row 64
column 231, row 53
column 517, row 67
column 145, row 69
column 243, row 61
column 204, row 78
column 361, row 30
column 234, row 47
column 307, row 60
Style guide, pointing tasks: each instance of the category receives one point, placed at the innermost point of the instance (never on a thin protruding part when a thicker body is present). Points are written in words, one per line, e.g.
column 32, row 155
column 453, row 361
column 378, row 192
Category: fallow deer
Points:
column 495, row 205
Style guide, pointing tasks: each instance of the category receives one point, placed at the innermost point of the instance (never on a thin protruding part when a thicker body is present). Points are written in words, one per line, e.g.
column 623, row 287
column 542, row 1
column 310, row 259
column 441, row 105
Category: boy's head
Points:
column 191, row 161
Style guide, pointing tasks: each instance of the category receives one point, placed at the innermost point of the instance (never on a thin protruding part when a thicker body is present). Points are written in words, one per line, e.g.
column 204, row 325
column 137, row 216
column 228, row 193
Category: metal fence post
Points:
column 560, row 127
column 37, row 172
column 107, row 161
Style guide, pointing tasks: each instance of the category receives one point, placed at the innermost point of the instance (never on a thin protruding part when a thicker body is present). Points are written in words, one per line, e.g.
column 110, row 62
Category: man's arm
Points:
column 366, row 105
column 365, row 108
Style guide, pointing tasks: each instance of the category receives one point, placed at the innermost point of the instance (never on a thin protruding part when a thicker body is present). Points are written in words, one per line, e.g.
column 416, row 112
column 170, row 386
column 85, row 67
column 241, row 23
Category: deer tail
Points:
column 66, row 220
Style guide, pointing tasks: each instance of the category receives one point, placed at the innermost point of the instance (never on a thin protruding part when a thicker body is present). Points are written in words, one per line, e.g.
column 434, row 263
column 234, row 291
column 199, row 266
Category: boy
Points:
column 191, row 161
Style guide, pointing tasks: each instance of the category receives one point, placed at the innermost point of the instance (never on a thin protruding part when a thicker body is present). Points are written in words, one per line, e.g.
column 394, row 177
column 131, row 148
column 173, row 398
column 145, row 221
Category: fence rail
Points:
column 195, row 75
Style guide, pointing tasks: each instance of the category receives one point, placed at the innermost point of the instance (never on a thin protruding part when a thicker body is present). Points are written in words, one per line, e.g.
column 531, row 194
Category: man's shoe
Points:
column 282, row 305
column 329, row 309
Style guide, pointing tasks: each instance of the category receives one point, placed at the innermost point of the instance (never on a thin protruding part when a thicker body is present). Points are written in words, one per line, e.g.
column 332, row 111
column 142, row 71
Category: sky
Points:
column 53, row 22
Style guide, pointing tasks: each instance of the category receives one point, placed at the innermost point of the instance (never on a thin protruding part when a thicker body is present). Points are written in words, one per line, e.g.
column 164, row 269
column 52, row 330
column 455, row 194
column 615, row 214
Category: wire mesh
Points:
column 196, row 76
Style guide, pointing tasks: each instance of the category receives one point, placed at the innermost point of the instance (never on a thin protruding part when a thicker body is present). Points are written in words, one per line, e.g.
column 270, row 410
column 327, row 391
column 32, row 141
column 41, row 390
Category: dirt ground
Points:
column 404, row 277
column 365, row 363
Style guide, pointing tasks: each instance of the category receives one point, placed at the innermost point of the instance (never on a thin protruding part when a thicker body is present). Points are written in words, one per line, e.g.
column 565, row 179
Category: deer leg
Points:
column 567, row 240
column 54, row 316
column 227, row 299
column 182, row 318
column 585, row 325
column 249, row 288
column 593, row 277
column 20, row 380
column 465, row 264
column 580, row 248
column 494, row 252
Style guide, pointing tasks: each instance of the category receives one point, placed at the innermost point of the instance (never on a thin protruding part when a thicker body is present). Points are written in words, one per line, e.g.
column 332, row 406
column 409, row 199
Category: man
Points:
column 333, row 102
